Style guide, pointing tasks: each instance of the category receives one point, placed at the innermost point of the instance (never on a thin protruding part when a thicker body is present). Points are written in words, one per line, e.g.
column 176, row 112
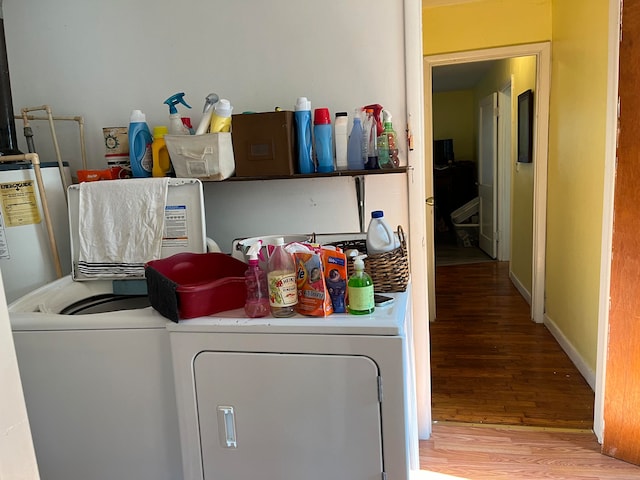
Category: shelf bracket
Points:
column 360, row 196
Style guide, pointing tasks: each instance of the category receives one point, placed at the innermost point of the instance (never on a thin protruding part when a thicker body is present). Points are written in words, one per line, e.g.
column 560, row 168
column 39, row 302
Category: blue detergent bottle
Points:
column 140, row 140
column 302, row 118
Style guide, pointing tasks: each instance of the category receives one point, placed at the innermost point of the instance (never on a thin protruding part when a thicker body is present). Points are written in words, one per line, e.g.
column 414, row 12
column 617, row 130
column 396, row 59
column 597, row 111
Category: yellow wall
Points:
column 578, row 32
column 522, row 71
column 485, row 24
column 576, row 169
column 453, row 117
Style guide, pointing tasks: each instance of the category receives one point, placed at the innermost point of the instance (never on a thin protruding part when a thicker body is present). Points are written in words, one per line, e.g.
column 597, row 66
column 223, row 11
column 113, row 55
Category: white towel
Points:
column 121, row 225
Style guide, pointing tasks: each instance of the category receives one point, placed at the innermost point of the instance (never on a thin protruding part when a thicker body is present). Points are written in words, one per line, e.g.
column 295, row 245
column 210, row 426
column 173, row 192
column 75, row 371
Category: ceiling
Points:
column 459, row 76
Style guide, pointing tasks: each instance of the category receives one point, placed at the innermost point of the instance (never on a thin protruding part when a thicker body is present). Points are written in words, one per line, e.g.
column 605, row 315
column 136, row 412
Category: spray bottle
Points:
column 176, row 127
column 360, row 289
column 392, row 138
column 255, row 279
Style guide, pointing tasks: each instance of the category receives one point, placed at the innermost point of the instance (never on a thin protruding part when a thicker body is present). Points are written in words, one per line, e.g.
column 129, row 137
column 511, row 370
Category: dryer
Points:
column 300, row 397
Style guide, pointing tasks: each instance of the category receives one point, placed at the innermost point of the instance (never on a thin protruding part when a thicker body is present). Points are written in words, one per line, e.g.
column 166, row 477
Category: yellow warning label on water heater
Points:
column 19, row 203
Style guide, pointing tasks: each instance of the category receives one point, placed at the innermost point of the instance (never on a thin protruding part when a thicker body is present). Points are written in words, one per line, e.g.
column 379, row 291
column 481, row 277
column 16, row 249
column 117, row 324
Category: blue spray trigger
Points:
column 175, row 99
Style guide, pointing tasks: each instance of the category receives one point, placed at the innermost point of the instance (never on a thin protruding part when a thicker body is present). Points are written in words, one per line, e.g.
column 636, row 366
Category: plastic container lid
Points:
column 160, row 131
column 302, row 104
column 223, row 108
column 138, row 116
column 321, row 116
column 377, row 214
column 342, row 114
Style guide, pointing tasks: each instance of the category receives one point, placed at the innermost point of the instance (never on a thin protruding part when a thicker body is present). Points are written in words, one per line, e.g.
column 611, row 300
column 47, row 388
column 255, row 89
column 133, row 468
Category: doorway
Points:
column 532, row 282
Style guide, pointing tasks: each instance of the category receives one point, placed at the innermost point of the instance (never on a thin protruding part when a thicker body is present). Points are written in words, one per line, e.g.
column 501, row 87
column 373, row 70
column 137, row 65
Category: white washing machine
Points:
column 303, row 397
column 96, row 370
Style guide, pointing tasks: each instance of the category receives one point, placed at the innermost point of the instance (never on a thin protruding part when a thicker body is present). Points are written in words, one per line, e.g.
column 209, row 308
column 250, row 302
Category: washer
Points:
column 98, row 387
column 301, row 397
column 95, row 364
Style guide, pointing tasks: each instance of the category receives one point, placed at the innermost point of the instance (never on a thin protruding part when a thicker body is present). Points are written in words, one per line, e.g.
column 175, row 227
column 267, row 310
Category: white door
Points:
column 487, row 173
column 288, row 416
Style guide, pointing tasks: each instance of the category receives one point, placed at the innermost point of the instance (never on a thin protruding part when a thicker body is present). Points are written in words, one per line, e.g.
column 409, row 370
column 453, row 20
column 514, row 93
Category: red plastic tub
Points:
column 190, row 285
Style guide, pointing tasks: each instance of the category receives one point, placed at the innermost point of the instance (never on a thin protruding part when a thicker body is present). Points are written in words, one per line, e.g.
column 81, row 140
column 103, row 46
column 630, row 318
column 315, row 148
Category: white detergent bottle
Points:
column 380, row 236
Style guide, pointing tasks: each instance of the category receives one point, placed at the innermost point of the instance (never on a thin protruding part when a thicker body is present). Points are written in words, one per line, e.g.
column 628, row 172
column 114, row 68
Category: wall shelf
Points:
column 338, row 173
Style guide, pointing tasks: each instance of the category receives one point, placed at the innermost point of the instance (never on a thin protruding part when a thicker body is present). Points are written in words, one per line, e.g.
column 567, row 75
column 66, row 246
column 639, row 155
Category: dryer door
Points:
column 288, row 416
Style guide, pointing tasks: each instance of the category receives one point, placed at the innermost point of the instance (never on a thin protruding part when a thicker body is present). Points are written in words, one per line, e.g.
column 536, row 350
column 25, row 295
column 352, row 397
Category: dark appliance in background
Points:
column 454, row 184
column 443, row 152
column 8, row 138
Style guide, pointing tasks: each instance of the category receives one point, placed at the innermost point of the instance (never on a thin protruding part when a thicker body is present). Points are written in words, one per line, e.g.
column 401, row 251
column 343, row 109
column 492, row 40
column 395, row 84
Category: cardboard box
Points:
column 263, row 144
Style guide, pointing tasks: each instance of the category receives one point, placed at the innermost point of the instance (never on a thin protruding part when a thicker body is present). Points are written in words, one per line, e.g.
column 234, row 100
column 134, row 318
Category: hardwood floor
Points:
column 507, row 402
column 477, row 452
column 491, row 364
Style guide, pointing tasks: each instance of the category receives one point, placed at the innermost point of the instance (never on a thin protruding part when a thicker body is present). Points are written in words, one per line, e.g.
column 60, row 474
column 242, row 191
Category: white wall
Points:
column 103, row 59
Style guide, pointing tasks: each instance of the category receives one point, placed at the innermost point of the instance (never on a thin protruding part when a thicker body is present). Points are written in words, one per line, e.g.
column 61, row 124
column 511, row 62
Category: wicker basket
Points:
column 389, row 271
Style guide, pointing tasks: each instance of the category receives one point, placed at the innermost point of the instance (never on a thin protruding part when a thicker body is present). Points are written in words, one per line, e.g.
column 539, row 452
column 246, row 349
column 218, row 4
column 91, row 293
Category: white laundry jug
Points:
column 380, row 236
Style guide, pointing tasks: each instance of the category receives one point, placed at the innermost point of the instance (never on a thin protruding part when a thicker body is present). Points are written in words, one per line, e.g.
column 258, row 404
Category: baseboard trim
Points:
column 521, row 288
column 588, row 374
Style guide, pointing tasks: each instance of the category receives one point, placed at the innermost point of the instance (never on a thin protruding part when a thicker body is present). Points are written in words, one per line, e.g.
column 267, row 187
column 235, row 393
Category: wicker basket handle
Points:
column 401, row 237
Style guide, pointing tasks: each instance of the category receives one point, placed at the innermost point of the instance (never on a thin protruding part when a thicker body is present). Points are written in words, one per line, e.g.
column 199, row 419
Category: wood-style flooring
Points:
column 507, row 401
column 477, row 452
column 491, row 364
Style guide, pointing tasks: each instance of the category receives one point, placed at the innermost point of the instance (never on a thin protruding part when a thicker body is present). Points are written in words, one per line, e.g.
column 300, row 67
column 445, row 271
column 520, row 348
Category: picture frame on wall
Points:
column 525, row 127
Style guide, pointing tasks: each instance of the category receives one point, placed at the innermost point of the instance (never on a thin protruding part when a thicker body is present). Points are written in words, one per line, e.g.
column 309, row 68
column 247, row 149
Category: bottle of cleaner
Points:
column 186, row 121
column 176, row 127
column 360, row 289
column 161, row 161
column 255, row 279
column 384, row 160
column 302, row 118
column 221, row 117
column 205, row 121
column 392, row 138
column 380, row 236
column 355, row 154
column 340, row 135
column 322, row 133
column 140, row 140
column 371, row 136
column 283, row 290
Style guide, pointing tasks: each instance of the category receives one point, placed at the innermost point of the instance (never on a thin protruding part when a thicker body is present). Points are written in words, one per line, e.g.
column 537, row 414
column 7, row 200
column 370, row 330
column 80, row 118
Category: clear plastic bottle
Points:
column 371, row 137
column 392, row 139
column 355, row 154
column 384, row 160
column 255, row 279
column 283, row 291
column 360, row 289
column 380, row 236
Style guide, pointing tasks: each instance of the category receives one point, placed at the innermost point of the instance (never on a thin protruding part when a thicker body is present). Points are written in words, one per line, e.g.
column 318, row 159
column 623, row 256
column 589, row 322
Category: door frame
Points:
column 542, row 52
column 505, row 134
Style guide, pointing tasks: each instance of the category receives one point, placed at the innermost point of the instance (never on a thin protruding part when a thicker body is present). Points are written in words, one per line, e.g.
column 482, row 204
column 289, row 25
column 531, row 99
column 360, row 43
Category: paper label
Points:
column 19, row 203
column 282, row 289
column 361, row 298
column 175, row 226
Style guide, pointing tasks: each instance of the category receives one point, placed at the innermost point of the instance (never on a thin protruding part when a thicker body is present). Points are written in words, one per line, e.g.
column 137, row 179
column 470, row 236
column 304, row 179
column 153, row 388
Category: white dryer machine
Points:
column 300, row 397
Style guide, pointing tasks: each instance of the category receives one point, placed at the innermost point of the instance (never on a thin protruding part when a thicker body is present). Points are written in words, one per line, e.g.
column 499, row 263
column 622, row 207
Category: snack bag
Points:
column 313, row 297
column 334, row 263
